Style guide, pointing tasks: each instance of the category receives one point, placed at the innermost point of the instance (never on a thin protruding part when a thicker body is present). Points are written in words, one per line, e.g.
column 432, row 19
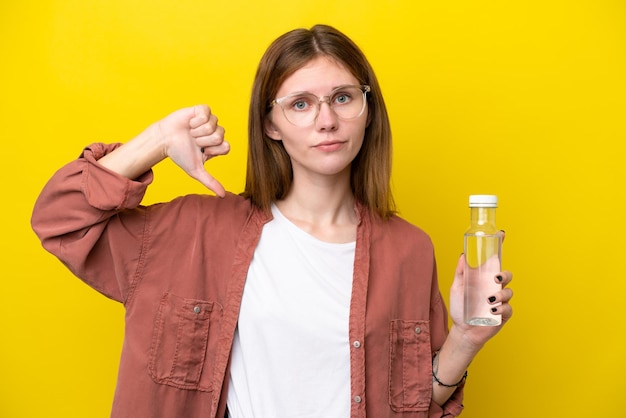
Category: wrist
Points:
column 156, row 142
column 438, row 381
column 462, row 343
column 138, row 155
column 450, row 364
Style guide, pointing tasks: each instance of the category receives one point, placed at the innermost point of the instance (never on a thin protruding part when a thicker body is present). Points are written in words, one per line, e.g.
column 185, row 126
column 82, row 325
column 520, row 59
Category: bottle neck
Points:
column 484, row 218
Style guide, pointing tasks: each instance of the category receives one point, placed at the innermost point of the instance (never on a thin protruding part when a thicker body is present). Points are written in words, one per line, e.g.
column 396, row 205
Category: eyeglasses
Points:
column 302, row 108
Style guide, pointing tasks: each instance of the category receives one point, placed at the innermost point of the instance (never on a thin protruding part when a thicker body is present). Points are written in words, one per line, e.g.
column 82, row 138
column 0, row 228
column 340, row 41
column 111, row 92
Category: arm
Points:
column 464, row 341
column 77, row 217
column 88, row 214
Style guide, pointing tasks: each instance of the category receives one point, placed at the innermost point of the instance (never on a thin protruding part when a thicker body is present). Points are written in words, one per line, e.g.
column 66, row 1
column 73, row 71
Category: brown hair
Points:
column 269, row 172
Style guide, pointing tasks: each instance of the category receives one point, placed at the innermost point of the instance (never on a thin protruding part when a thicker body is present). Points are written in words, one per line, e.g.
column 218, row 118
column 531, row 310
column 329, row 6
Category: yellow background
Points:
column 523, row 99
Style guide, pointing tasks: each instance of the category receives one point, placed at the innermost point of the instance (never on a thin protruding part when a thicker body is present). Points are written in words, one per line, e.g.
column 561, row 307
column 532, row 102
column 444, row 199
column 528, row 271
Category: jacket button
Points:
column 196, row 309
column 418, row 330
column 357, row 344
column 357, row 399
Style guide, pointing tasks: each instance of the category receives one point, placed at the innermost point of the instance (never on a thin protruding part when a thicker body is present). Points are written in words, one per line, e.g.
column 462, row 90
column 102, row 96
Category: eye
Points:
column 300, row 103
column 342, row 98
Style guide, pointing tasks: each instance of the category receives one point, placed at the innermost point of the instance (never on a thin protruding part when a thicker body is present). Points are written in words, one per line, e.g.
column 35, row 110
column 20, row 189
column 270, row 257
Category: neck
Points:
column 324, row 208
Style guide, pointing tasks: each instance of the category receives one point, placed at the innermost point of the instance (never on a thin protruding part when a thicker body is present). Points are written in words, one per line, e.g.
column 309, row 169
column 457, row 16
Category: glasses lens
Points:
column 347, row 102
column 300, row 109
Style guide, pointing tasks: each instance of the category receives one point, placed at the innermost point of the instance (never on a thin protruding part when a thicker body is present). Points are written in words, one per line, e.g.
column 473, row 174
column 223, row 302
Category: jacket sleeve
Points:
column 78, row 218
column 439, row 320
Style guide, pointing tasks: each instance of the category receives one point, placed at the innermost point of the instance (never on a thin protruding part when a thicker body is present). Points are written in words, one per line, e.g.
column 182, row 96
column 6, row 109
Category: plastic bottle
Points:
column 483, row 258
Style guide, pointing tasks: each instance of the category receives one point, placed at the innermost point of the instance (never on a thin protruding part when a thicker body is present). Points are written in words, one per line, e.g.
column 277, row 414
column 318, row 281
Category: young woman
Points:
column 303, row 297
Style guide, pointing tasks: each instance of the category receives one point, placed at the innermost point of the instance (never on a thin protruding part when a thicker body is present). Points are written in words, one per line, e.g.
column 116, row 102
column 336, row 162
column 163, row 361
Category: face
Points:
column 327, row 146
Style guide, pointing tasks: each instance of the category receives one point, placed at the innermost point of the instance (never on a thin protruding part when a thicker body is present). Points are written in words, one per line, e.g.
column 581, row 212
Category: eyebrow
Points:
column 331, row 90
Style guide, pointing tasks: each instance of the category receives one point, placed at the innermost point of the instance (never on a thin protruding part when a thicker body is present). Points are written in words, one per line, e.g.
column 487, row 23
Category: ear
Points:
column 271, row 130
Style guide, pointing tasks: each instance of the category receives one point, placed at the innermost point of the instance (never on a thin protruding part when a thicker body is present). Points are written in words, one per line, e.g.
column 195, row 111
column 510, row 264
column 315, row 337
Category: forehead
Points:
column 318, row 76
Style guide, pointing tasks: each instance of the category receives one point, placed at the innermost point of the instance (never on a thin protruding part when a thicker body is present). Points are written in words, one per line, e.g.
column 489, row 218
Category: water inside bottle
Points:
column 482, row 255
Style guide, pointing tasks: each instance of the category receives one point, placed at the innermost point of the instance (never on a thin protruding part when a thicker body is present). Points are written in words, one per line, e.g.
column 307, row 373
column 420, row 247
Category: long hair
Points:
column 269, row 173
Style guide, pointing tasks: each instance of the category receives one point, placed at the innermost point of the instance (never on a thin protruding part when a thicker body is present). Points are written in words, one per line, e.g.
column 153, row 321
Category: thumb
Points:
column 460, row 266
column 459, row 272
column 208, row 181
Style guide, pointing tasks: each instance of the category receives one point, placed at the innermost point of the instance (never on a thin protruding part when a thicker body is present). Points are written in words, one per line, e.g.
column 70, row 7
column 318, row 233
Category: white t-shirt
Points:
column 291, row 352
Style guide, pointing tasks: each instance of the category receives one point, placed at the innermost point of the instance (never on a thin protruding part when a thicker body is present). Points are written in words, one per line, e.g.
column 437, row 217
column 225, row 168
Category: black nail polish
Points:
column 494, row 310
column 492, row 299
column 500, row 278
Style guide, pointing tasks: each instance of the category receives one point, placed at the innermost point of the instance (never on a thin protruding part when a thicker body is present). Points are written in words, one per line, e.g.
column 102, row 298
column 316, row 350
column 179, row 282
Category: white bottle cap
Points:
column 483, row 201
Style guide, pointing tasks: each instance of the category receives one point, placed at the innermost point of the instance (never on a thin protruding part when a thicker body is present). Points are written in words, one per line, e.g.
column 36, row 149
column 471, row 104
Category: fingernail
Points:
column 492, row 299
column 500, row 278
column 494, row 310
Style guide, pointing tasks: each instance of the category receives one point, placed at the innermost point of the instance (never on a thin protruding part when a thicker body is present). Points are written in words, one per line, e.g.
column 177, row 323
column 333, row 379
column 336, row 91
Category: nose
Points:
column 326, row 118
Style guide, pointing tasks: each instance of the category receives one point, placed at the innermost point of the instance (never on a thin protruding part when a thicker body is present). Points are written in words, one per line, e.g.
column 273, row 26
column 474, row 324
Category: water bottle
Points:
column 483, row 257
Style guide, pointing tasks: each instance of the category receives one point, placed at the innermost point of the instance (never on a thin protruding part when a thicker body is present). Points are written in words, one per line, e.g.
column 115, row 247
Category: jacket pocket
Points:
column 410, row 367
column 180, row 338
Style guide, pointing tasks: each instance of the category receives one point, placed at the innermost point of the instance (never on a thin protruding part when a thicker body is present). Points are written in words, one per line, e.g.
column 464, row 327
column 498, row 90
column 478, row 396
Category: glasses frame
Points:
column 323, row 99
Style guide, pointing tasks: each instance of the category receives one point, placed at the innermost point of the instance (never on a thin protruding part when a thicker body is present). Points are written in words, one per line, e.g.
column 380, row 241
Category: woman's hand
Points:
column 191, row 136
column 465, row 341
column 477, row 336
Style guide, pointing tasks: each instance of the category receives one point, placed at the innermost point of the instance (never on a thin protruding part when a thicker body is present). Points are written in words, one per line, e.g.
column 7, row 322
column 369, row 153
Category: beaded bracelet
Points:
column 439, row 382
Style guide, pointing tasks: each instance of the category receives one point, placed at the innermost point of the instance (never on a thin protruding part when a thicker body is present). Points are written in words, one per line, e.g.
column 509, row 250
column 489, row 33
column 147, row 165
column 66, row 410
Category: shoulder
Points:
column 231, row 208
column 229, row 202
column 401, row 231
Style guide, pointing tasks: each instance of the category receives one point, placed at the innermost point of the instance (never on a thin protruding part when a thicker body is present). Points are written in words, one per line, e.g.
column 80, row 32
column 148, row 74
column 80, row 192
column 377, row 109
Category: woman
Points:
column 303, row 297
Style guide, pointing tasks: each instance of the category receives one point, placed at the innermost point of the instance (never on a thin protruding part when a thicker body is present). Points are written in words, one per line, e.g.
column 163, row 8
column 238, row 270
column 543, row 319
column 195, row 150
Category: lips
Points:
column 329, row 145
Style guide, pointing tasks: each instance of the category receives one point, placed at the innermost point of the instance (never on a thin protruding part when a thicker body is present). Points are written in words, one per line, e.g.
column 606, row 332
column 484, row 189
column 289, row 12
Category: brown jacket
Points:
column 179, row 268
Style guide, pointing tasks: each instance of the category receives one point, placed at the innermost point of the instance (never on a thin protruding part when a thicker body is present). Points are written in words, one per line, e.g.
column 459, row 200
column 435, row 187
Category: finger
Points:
column 215, row 150
column 208, row 181
column 215, row 138
column 459, row 278
column 504, row 278
column 207, row 128
column 460, row 265
column 201, row 115
column 503, row 296
column 504, row 309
